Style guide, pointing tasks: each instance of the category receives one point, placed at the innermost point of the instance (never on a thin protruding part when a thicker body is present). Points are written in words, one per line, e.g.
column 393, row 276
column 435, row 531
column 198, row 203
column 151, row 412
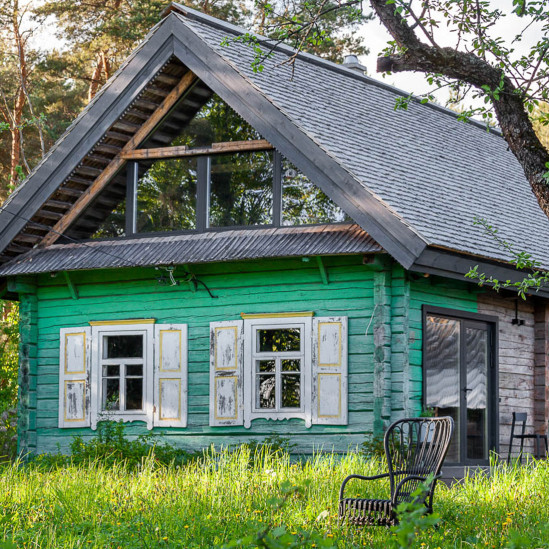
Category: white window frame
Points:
column 97, row 413
column 251, row 355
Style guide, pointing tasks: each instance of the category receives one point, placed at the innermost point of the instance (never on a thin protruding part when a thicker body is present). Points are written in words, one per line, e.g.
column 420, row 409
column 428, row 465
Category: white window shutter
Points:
column 226, row 375
column 170, row 375
column 74, row 377
column 329, row 360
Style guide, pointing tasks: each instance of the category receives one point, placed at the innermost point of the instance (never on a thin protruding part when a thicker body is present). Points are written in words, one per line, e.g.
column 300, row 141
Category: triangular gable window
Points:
column 217, row 173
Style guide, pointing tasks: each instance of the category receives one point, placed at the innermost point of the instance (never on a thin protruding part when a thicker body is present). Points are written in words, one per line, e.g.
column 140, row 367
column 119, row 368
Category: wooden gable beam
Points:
column 118, row 161
column 183, row 150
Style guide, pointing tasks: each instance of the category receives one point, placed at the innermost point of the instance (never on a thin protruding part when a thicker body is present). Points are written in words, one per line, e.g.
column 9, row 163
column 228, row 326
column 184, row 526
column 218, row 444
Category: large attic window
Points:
column 217, row 172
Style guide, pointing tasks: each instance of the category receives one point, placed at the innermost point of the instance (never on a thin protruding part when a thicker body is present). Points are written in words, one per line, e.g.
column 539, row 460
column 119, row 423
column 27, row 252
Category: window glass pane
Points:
column 114, row 225
column 290, row 365
column 279, row 340
column 111, row 371
column 302, row 202
column 123, row 346
column 166, row 195
column 215, row 122
column 111, row 394
column 266, row 365
column 134, row 393
column 134, row 370
column 476, row 363
column 442, row 373
column 241, row 189
column 266, row 391
column 291, row 391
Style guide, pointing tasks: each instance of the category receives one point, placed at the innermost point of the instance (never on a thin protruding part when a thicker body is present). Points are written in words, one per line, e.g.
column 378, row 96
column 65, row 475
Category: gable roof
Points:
column 412, row 179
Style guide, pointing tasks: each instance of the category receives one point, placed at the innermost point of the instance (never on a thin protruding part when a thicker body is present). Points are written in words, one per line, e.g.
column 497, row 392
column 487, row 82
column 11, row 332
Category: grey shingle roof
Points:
column 436, row 172
column 196, row 248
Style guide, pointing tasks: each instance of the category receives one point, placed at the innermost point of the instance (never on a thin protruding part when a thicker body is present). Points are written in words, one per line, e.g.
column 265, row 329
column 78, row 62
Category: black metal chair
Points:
column 522, row 417
column 415, row 448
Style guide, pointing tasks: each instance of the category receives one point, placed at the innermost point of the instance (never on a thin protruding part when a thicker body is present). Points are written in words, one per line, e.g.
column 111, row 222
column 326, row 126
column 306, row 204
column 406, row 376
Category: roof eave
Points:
column 453, row 264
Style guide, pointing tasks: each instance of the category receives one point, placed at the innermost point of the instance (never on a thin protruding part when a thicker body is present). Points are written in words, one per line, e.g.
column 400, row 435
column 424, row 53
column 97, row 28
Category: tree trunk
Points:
column 19, row 105
column 96, row 77
column 514, row 122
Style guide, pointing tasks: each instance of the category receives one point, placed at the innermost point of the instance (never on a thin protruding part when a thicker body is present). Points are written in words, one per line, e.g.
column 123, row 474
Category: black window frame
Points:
column 203, row 200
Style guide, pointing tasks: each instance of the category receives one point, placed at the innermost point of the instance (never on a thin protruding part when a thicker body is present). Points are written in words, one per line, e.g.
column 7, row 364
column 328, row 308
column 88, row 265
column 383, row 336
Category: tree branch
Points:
column 508, row 101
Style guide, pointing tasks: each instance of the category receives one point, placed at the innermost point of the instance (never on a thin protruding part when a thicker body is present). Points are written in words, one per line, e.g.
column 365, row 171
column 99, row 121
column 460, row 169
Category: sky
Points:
column 376, row 38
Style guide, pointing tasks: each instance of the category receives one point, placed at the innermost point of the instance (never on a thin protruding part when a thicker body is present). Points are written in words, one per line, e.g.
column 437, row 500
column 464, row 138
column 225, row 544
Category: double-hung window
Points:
column 125, row 370
column 278, row 367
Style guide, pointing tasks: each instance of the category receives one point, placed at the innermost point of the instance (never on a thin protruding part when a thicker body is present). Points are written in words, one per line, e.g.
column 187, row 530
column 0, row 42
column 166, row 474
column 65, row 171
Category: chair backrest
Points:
column 519, row 417
column 417, row 446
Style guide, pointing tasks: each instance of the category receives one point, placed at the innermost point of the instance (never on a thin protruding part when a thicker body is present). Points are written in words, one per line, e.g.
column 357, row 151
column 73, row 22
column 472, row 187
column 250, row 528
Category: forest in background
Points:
column 43, row 90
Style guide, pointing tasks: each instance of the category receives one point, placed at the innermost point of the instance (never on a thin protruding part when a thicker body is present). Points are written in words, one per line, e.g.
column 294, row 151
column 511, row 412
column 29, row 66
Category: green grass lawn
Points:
column 228, row 496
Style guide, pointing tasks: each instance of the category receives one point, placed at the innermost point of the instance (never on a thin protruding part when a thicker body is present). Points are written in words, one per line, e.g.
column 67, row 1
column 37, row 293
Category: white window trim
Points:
column 250, row 410
column 97, row 414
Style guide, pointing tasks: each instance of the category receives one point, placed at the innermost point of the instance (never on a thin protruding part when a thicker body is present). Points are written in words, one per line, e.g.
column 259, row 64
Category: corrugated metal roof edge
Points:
column 350, row 231
column 288, row 50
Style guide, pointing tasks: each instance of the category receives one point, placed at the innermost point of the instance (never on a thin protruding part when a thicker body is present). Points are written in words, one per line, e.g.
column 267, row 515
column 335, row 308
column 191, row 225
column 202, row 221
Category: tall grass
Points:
column 225, row 495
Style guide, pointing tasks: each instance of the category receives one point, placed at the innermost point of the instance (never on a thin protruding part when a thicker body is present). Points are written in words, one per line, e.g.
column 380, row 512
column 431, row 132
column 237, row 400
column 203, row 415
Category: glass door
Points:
column 459, row 374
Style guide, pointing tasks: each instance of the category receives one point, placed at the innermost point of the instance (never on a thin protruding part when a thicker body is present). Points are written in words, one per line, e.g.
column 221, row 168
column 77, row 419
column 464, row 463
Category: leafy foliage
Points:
column 9, row 354
column 534, row 277
column 111, row 446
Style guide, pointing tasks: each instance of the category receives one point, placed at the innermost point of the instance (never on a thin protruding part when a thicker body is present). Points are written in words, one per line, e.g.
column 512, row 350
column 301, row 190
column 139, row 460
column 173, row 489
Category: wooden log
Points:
column 88, row 170
column 59, row 204
column 27, row 237
column 138, row 114
column 167, row 79
column 126, row 126
column 109, row 149
column 106, row 175
column 157, row 91
column 97, row 158
column 183, row 150
column 146, row 104
column 48, row 214
column 78, row 180
column 111, row 134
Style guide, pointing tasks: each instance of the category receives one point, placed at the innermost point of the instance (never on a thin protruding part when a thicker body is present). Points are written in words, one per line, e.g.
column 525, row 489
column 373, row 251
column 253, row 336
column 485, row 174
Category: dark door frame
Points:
column 492, row 386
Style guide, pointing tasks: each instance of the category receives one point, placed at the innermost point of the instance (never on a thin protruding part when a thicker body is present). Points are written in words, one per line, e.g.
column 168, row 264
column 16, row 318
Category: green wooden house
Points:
column 219, row 254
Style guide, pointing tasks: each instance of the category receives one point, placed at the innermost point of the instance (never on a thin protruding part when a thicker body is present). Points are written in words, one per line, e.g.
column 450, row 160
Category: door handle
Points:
column 466, row 389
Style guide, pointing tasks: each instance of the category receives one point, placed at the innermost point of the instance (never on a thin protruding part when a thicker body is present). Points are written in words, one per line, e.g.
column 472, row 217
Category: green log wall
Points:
column 382, row 302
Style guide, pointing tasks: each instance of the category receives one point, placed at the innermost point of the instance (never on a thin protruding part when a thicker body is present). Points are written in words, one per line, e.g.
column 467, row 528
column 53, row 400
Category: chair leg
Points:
column 538, row 449
column 521, row 450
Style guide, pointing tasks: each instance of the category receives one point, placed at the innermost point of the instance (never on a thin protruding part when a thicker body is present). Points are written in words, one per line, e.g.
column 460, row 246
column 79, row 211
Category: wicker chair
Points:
column 415, row 448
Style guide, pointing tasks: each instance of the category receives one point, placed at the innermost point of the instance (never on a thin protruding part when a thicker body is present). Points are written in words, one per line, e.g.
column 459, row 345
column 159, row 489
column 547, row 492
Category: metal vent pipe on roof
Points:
column 352, row 62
